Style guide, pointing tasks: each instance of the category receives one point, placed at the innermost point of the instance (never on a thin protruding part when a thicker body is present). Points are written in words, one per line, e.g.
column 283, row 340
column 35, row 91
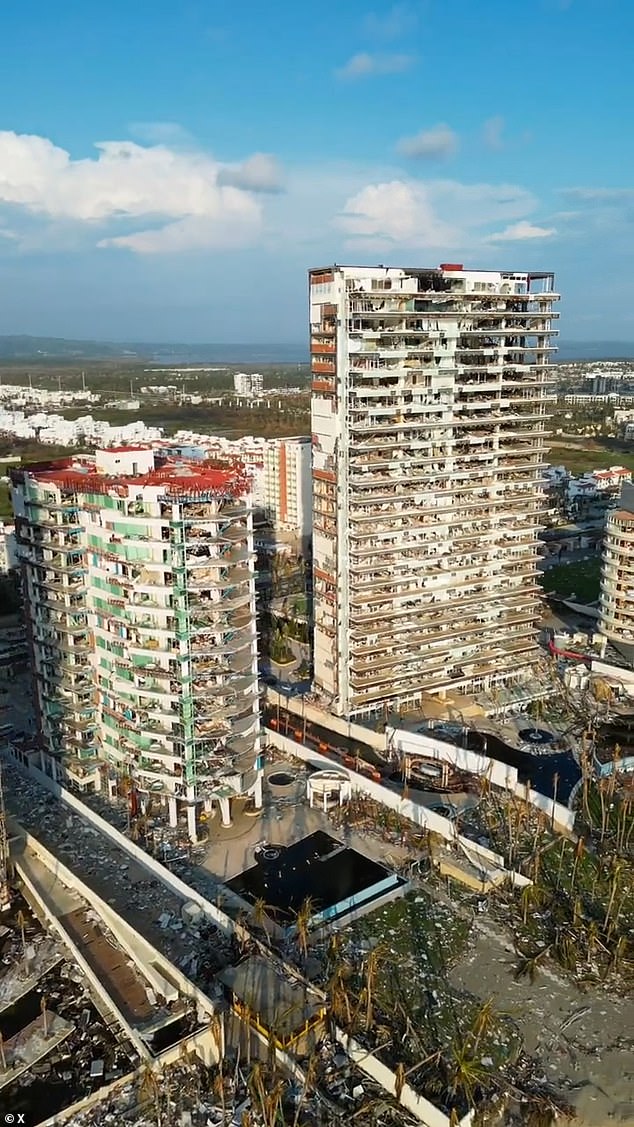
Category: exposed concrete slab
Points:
column 122, row 982
column 283, row 821
column 19, row 980
column 30, row 1045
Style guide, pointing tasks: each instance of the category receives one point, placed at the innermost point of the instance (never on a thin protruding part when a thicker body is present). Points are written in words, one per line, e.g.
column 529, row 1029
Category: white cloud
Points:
column 365, row 65
column 175, row 193
column 430, row 144
column 599, row 195
column 440, row 214
column 492, row 131
column 260, row 173
column 518, row 232
column 161, row 133
column 238, row 226
column 396, row 22
column 397, row 212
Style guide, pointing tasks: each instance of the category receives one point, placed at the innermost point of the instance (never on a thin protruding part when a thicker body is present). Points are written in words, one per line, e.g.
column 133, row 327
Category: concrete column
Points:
column 257, row 792
column 191, row 824
column 225, row 810
column 97, row 778
column 173, row 811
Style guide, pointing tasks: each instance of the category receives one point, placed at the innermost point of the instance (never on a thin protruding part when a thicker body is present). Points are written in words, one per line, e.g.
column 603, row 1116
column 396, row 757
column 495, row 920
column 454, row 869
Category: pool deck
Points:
column 283, row 822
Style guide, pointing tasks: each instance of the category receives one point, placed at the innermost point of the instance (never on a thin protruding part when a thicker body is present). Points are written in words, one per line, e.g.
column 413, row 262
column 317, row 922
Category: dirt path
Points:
column 585, row 1039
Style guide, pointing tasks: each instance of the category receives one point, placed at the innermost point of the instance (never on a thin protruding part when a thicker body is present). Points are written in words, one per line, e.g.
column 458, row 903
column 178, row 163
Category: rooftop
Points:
column 445, row 267
column 175, row 476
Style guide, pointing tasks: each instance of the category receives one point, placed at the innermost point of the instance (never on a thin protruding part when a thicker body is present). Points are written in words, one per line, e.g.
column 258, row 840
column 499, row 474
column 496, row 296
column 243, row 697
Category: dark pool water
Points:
column 281, row 779
column 317, row 866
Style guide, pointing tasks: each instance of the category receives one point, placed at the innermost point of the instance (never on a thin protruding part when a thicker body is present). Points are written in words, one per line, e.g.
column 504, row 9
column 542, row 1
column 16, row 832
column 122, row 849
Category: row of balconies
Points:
column 381, row 597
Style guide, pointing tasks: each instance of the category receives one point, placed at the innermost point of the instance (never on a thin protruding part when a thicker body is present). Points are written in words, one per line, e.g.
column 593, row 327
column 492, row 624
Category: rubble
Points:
column 145, row 903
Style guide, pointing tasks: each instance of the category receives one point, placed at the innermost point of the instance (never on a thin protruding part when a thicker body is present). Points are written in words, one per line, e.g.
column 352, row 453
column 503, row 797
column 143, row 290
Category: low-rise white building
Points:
column 8, row 548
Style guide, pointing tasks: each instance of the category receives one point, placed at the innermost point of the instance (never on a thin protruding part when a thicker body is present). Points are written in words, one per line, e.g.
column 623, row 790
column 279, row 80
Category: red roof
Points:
column 177, row 477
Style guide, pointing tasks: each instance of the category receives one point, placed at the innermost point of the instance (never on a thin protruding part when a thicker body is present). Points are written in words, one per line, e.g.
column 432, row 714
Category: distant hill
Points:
column 23, row 349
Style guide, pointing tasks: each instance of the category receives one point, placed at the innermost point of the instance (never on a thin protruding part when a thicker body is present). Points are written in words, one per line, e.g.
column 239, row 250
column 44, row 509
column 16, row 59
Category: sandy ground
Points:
column 585, row 1039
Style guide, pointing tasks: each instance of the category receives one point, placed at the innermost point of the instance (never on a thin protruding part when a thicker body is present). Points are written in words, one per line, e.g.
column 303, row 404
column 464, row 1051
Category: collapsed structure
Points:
column 139, row 588
column 428, row 429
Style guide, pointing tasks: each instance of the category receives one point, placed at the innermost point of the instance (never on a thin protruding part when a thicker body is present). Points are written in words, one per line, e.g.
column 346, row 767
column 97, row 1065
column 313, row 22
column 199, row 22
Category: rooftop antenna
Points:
column 5, row 895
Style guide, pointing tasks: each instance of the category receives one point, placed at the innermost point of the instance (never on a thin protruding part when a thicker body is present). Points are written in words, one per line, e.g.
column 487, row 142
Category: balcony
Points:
column 323, row 367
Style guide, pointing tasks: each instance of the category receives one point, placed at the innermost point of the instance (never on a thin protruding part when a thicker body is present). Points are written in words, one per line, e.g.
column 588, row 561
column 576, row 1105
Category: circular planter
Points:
column 282, row 783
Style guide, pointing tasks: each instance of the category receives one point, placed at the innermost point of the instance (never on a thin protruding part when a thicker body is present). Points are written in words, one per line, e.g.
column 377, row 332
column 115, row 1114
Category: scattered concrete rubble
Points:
column 26, row 965
column 188, row 940
column 81, row 1051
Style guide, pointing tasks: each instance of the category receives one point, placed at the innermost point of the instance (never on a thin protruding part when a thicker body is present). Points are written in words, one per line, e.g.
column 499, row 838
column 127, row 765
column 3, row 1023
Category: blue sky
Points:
column 171, row 176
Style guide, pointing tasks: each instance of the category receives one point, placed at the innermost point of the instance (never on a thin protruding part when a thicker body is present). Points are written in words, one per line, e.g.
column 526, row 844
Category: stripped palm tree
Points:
column 303, row 920
column 21, row 922
column 529, row 964
column 370, row 973
column 150, row 1092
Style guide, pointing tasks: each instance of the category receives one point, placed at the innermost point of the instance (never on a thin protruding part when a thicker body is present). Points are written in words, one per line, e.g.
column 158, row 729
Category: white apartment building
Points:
column 616, row 604
column 139, row 584
column 428, row 431
column 288, row 500
column 248, row 384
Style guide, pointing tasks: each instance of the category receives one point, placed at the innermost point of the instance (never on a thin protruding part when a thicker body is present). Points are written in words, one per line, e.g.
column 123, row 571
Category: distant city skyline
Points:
column 172, row 179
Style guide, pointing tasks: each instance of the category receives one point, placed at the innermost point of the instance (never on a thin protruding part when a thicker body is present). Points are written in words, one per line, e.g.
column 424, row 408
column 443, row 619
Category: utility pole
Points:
column 5, row 897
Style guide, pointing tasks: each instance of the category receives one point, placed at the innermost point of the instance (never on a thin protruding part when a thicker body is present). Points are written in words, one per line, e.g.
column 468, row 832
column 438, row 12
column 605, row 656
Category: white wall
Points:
column 421, row 1108
column 123, row 461
column 413, row 811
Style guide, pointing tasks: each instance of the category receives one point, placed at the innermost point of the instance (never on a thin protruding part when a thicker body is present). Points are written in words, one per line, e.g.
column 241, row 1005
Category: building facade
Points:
column 8, row 548
column 287, row 490
column 279, row 470
column 139, row 587
column 248, row 384
column 428, row 431
column 616, row 604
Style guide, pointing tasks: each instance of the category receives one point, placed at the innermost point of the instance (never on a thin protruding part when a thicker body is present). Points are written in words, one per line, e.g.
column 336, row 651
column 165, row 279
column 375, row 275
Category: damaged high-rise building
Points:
column 428, row 432
column 139, row 589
